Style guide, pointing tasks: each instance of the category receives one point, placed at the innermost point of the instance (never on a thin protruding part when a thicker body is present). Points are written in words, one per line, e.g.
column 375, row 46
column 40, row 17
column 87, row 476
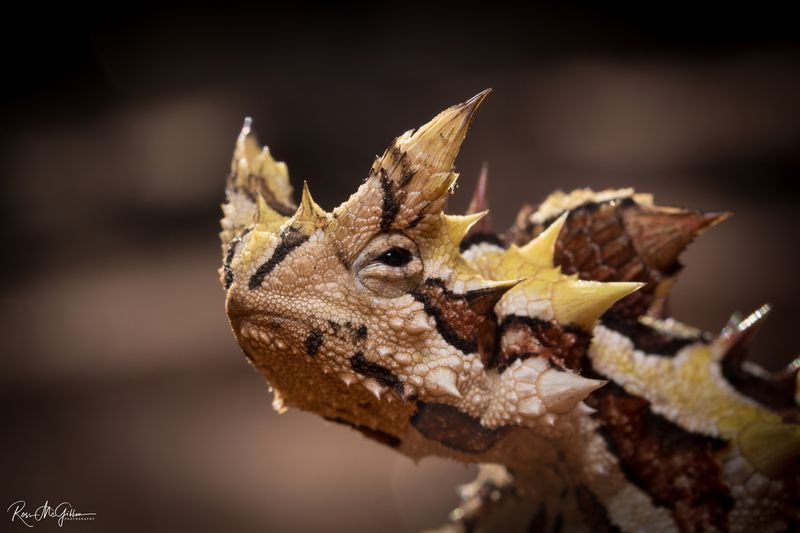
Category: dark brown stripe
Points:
column 466, row 321
column 776, row 391
column 390, row 206
column 290, row 239
column 479, row 237
column 457, row 430
column 521, row 337
column 647, row 339
column 379, row 373
column 678, row 469
column 226, row 267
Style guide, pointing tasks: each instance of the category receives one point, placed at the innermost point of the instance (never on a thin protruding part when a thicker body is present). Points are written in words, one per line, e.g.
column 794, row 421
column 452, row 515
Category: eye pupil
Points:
column 395, row 257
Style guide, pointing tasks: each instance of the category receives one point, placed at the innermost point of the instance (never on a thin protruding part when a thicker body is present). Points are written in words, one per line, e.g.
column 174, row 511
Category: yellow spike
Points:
column 267, row 218
column 257, row 242
column 770, row 447
column 309, row 213
column 436, row 144
column 458, row 225
column 540, row 251
column 582, row 302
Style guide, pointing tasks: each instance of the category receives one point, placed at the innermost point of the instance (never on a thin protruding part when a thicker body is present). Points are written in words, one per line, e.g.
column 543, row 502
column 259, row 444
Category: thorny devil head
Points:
column 545, row 351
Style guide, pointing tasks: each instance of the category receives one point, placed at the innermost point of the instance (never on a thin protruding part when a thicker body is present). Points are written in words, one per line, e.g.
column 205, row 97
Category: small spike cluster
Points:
column 545, row 350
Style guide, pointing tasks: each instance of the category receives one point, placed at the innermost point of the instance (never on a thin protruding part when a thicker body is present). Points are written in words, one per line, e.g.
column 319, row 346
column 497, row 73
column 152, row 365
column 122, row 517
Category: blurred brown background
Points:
column 124, row 391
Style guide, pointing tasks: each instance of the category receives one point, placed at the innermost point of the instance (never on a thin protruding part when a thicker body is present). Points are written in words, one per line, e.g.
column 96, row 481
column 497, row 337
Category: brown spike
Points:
column 775, row 390
column 661, row 234
column 737, row 335
column 480, row 202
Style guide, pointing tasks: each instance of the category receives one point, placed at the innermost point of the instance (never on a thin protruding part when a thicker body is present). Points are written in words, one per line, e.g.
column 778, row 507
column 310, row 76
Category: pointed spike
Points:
column 480, row 198
column 309, row 211
column 437, row 143
column 484, row 297
column 770, row 447
column 418, row 324
column 442, row 381
column 374, row 387
column 459, row 225
column 541, row 250
column 561, row 391
column 737, row 334
column 787, row 380
column 432, row 149
column 267, row 219
column 480, row 202
column 661, row 234
column 264, row 213
column 582, row 302
column 247, row 144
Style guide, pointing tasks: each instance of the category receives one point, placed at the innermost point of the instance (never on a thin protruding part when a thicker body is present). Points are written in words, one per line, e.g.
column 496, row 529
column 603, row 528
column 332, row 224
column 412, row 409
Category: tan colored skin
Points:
column 363, row 316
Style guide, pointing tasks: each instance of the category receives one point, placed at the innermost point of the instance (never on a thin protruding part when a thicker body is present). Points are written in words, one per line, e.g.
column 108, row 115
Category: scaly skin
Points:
column 543, row 355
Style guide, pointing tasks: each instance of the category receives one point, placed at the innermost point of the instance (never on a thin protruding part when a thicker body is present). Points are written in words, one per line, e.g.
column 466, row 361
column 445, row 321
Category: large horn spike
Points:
column 408, row 186
column 436, row 144
column 660, row 234
column 581, row 302
column 541, row 250
column 423, row 160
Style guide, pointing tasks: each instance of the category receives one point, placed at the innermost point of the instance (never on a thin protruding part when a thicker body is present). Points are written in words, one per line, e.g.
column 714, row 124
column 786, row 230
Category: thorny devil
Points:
column 543, row 354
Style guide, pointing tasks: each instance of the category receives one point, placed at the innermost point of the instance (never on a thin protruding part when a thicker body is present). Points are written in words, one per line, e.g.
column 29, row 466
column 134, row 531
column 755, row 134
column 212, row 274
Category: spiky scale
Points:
column 500, row 354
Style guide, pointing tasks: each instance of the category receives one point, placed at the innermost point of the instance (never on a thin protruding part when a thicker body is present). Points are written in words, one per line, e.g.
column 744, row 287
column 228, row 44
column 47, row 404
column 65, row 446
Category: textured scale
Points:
column 545, row 354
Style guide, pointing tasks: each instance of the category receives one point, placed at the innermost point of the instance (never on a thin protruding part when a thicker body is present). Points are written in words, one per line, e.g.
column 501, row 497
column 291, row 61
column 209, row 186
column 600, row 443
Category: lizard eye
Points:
column 389, row 265
column 395, row 257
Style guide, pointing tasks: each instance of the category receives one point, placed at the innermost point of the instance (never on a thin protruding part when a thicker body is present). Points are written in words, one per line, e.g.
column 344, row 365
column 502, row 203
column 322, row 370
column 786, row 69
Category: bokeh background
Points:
column 123, row 390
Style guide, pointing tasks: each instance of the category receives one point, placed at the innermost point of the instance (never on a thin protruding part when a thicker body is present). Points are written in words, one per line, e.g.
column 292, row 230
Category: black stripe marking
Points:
column 480, row 302
column 379, row 373
column 455, row 429
column 290, row 240
column 266, row 194
column 390, row 207
column 467, row 346
column 226, row 268
column 479, row 237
